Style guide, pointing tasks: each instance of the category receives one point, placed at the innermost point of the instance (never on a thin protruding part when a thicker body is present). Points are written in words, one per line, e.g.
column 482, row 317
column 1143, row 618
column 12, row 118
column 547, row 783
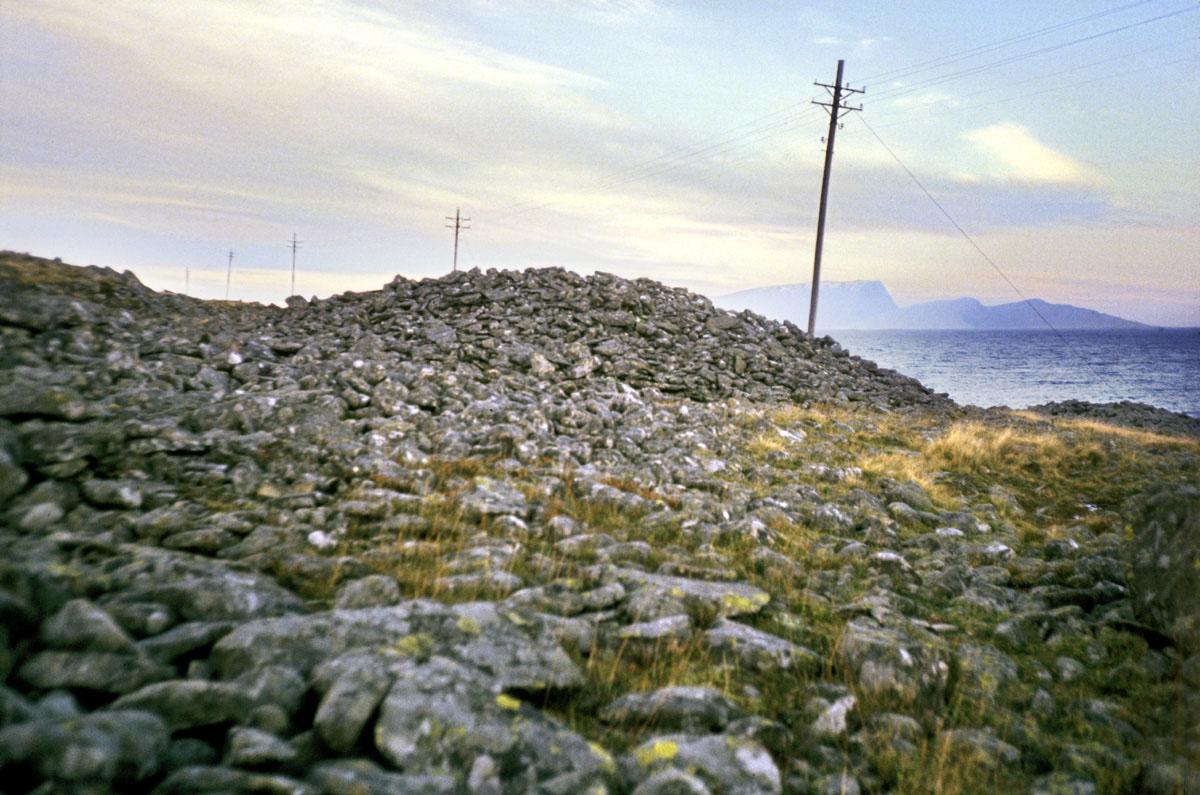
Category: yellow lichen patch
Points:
column 468, row 625
column 660, row 751
column 416, row 645
column 736, row 604
column 505, row 701
column 604, row 756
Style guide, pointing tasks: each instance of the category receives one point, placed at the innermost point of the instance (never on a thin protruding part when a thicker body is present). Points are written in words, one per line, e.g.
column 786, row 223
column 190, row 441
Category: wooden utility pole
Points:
column 460, row 223
column 229, row 274
column 835, row 108
column 295, row 244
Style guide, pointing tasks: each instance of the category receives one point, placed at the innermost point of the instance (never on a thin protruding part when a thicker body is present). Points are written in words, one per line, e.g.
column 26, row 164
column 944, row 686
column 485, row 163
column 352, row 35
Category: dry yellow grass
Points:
column 974, row 447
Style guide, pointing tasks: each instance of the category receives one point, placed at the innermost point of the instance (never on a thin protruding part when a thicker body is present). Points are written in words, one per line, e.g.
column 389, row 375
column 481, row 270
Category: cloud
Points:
column 314, row 113
column 926, row 99
column 1022, row 158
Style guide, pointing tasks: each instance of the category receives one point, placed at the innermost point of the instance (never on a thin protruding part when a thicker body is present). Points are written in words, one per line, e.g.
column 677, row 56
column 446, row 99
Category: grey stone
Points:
column 113, row 493
column 90, row 749
column 214, row 778
column 725, row 764
column 689, row 709
column 493, row 498
column 186, row 703
column 81, row 625
column 885, row 661
column 984, row 669
column 106, row 672
column 726, row 598
column 1165, row 562
column 661, row 630
column 672, row 781
column 517, row 651
column 255, row 748
column 756, row 650
column 442, row 712
column 377, row 590
column 832, row 722
column 359, row 684
column 184, row 639
column 838, row 784
column 188, row 751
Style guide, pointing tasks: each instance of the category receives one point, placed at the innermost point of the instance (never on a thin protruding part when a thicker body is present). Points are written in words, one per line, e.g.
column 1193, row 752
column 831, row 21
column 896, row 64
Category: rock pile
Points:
column 517, row 532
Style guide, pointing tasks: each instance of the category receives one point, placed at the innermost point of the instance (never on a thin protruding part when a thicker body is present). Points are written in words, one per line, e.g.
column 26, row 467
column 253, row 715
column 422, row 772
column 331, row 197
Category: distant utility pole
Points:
column 295, row 244
column 187, row 281
column 229, row 274
column 835, row 109
column 459, row 223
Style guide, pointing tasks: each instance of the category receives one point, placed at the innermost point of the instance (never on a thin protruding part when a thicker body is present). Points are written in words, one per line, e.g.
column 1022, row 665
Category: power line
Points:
column 1066, row 343
column 727, row 136
column 1052, row 89
column 755, row 131
column 902, row 90
column 961, row 55
column 665, row 162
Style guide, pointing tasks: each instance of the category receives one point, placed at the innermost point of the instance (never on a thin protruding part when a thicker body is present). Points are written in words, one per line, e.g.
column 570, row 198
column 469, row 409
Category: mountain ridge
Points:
column 868, row 305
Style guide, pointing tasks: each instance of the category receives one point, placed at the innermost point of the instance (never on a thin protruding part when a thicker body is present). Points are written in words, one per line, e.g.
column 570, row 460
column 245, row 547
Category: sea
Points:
column 1025, row 368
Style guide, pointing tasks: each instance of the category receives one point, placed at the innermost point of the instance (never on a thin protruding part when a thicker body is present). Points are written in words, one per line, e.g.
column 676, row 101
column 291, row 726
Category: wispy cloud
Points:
column 1019, row 156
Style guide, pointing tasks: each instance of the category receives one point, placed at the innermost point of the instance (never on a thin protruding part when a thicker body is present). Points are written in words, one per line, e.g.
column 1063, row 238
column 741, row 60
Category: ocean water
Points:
column 1025, row 368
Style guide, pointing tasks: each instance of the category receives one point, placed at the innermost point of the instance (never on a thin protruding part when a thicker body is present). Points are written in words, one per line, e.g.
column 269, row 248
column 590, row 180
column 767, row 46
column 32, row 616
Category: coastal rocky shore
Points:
column 538, row 533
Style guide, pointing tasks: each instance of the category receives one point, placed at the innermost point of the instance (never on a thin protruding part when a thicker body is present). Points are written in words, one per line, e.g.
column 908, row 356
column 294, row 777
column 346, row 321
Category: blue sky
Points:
column 641, row 137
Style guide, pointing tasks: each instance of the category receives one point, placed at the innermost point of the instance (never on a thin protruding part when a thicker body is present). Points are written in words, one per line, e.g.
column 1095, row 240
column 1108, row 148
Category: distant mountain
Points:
column 842, row 304
column 970, row 314
column 868, row 305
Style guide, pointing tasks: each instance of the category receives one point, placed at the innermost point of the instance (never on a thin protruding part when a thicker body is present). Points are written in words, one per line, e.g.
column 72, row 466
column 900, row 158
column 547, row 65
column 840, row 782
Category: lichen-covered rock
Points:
column 518, row 651
column 357, row 683
column 673, row 708
column 376, row 590
column 725, row 598
column 106, row 672
column 90, row 750
column 724, row 763
column 442, row 714
column 905, row 664
column 82, row 625
column 1165, row 570
column 738, row 644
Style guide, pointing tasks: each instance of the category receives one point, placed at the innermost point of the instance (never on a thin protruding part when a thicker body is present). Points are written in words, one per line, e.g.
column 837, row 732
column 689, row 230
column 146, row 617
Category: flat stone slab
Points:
column 757, row 650
column 673, row 708
column 516, row 649
column 729, row 598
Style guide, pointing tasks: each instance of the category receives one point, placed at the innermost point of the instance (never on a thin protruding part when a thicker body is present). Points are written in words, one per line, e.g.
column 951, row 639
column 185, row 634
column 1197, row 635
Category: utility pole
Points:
column 187, row 280
column 459, row 223
column 835, row 109
column 229, row 274
column 295, row 244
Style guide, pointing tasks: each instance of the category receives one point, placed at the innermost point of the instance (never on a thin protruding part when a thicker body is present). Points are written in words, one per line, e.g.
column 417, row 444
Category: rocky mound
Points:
column 531, row 532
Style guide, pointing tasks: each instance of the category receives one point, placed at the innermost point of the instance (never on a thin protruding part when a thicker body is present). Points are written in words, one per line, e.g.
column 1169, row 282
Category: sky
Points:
column 670, row 140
